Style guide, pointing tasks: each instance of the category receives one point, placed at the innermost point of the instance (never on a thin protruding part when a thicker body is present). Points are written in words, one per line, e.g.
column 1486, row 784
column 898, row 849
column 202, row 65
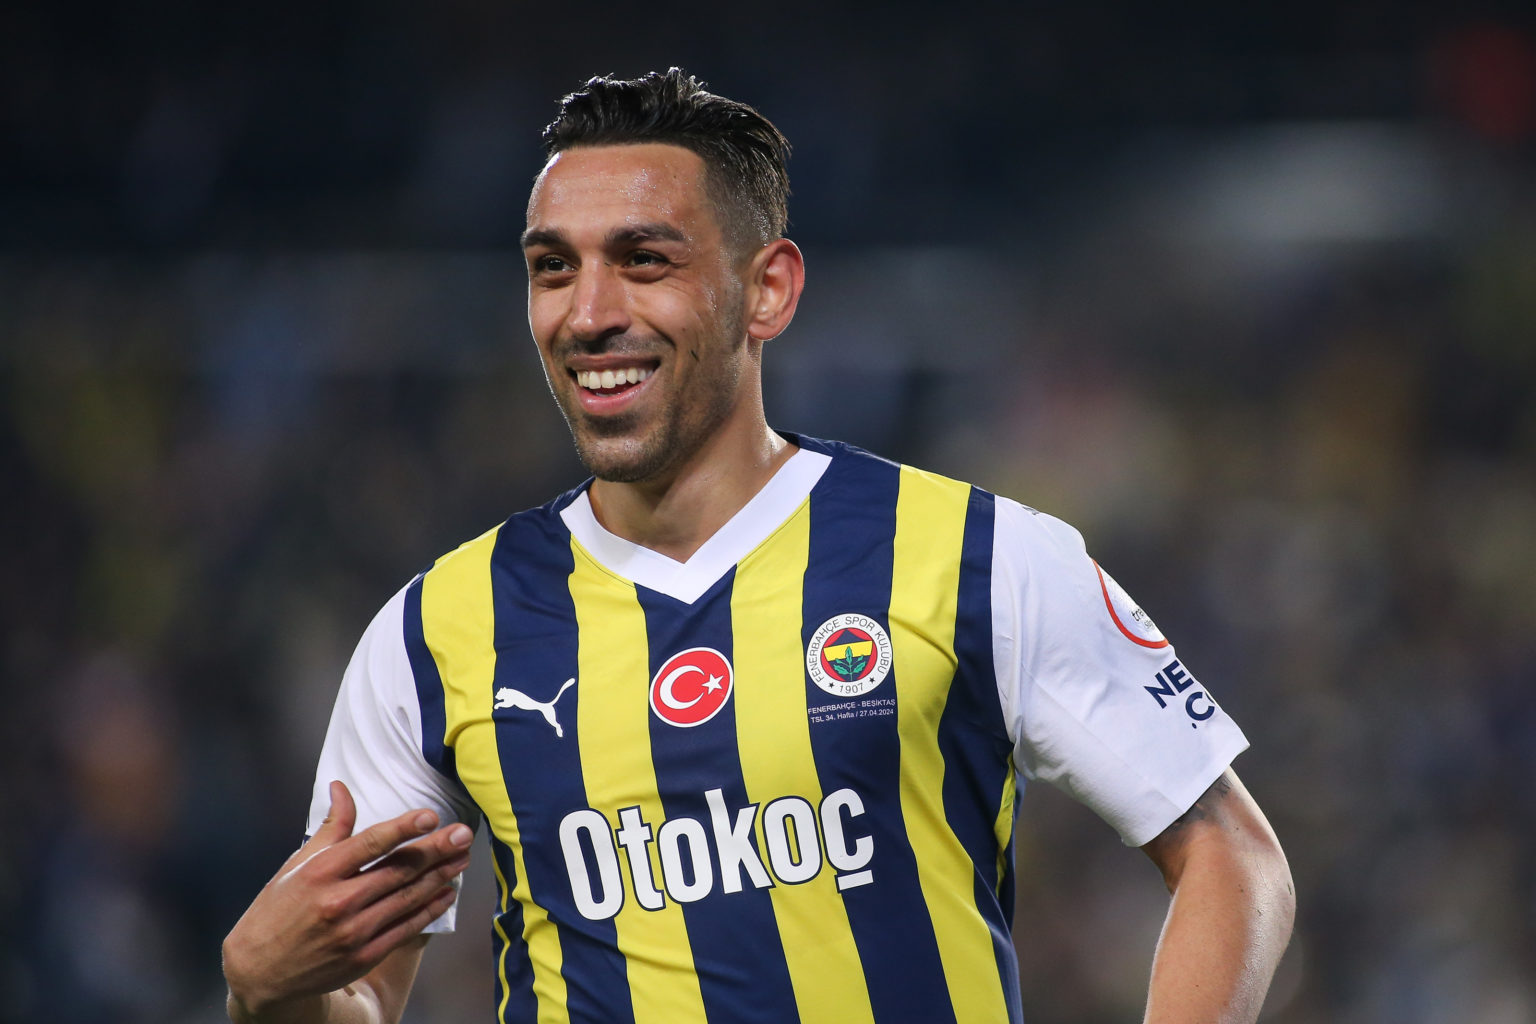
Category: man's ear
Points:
column 775, row 279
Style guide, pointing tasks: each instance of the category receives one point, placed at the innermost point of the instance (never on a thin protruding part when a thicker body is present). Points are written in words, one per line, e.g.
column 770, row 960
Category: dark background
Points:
column 1248, row 294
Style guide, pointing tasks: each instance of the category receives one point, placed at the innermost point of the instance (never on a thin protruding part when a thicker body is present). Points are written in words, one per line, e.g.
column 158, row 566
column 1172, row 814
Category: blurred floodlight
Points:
column 1315, row 183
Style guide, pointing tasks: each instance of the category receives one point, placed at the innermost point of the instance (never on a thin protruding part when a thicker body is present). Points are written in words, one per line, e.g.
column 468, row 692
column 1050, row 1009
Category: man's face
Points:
column 636, row 305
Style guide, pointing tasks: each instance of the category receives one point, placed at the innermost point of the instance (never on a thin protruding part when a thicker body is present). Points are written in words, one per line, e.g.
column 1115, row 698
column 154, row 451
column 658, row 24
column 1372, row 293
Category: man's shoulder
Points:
column 540, row 524
column 1024, row 526
column 848, row 457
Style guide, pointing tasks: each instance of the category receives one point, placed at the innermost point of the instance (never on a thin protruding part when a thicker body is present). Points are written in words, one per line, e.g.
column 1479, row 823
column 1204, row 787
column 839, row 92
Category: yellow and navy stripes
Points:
column 652, row 873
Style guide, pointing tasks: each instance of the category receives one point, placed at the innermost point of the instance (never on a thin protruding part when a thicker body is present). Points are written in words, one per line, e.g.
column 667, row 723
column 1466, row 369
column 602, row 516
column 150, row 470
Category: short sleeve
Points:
column 373, row 743
column 1096, row 700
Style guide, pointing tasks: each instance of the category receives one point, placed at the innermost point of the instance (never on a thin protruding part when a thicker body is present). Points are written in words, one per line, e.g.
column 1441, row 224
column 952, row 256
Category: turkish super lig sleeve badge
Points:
column 691, row 687
column 849, row 655
column 1133, row 623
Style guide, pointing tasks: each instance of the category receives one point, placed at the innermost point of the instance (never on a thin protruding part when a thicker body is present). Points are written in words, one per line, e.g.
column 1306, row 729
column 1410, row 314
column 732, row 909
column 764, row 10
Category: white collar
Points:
column 687, row 581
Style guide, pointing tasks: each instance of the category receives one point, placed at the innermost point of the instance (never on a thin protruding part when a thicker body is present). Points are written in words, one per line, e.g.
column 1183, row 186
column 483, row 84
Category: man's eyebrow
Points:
column 629, row 234
column 656, row 231
column 547, row 237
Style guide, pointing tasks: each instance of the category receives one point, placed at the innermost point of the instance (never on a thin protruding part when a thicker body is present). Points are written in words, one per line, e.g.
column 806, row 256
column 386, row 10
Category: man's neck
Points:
column 675, row 516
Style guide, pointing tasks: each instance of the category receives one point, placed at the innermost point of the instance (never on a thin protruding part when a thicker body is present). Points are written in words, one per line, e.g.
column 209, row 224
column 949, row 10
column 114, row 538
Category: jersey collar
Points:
column 688, row 581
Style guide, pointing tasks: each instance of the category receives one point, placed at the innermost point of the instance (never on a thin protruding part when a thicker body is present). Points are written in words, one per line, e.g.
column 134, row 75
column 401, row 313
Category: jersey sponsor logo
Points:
column 506, row 697
column 1133, row 623
column 849, row 655
column 695, row 855
column 1172, row 683
column 691, row 687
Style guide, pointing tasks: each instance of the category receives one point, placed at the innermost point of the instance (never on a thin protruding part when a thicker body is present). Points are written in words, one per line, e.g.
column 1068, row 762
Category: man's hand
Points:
column 324, row 921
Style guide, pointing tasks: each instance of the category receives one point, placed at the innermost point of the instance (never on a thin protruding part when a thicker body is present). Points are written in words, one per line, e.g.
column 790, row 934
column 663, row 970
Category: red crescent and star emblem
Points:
column 691, row 687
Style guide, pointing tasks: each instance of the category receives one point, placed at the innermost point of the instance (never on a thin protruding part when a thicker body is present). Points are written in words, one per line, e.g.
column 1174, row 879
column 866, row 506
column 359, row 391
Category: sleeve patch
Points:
column 1133, row 623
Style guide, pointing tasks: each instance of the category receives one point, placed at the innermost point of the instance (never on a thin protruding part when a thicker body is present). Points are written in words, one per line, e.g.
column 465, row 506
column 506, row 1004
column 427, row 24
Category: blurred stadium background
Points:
column 1246, row 293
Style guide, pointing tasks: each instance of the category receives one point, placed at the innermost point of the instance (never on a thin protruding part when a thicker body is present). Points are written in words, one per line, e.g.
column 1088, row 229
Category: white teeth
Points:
column 595, row 379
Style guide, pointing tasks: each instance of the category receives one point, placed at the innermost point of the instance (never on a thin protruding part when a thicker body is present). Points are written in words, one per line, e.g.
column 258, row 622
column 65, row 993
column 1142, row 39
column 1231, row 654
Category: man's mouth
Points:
column 612, row 381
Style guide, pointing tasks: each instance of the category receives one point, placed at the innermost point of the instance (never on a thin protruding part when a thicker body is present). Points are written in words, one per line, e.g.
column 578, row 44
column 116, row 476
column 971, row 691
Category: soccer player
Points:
column 745, row 714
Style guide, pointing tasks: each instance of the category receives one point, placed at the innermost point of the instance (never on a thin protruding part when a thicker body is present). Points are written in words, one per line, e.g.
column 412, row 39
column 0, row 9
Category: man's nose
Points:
column 599, row 303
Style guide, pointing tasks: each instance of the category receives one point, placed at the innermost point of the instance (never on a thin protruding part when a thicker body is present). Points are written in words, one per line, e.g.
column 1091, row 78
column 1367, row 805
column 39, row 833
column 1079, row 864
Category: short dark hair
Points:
column 744, row 155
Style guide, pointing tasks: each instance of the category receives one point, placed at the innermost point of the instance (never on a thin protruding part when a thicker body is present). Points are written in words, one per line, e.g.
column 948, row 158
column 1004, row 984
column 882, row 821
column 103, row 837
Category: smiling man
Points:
column 748, row 713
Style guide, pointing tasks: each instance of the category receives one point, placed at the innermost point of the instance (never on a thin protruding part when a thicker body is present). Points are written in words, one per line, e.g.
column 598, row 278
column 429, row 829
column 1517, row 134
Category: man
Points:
column 743, row 714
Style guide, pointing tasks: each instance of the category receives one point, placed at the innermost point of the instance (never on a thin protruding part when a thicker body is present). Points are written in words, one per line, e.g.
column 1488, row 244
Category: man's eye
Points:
column 645, row 259
column 549, row 265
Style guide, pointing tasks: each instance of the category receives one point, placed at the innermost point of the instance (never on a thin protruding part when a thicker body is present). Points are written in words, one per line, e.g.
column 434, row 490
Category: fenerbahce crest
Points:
column 848, row 655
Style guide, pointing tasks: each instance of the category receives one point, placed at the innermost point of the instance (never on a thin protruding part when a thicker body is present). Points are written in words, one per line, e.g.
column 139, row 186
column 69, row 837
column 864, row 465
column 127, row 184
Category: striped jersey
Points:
column 778, row 781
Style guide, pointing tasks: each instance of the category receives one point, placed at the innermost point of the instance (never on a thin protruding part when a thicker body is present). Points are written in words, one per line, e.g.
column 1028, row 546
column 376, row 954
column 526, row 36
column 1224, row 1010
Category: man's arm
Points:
column 1230, row 919
column 335, row 937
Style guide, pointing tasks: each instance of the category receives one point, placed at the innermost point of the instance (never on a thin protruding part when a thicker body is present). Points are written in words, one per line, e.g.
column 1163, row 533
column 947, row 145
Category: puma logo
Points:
column 506, row 697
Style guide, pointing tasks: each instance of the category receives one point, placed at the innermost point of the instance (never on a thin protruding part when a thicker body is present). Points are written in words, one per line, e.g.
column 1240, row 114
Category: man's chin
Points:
column 624, row 462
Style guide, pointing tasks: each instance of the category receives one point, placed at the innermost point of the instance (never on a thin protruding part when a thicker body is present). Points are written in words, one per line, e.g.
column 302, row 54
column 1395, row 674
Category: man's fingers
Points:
column 340, row 818
column 408, row 863
column 403, row 930
column 372, row 843
column 406, row 900
column 337, row 826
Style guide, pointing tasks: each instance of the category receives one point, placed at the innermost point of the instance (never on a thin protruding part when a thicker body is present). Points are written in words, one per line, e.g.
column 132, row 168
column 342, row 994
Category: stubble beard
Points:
column 623, row 450
column 612, row 453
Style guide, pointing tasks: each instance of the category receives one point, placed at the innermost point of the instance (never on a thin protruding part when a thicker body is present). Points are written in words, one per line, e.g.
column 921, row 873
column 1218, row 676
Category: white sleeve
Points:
column 374, row 741
column 1095, row 699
